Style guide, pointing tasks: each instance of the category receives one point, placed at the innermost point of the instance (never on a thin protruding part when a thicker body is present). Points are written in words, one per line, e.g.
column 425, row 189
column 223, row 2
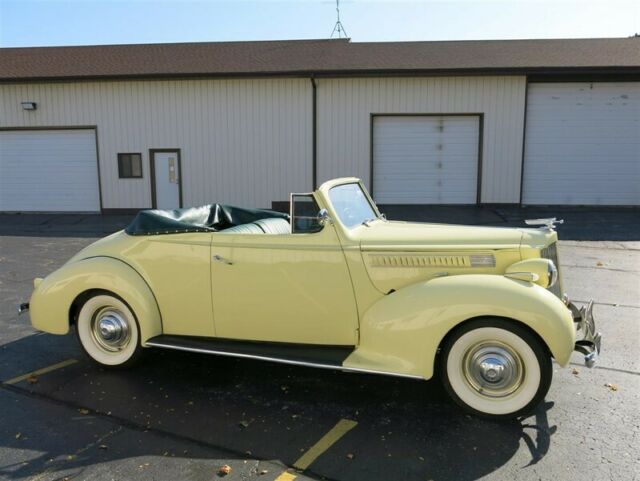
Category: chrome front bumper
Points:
column 591, row 340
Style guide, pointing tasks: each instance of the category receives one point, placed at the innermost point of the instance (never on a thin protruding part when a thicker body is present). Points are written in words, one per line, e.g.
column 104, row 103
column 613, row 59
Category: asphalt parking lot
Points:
column 183, row 416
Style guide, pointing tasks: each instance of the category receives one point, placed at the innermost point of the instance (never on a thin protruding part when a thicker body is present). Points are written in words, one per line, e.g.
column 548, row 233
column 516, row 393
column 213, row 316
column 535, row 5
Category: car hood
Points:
column 414, row 236
column 397, row 254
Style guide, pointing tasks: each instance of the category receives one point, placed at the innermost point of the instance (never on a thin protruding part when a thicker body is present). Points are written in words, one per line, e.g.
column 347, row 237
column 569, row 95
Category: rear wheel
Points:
column 108, row 331
column 495, row 368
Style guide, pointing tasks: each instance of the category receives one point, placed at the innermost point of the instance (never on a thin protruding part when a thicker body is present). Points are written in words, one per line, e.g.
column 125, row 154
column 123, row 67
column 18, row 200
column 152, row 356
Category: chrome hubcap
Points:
column 493, row 369
column 110, row 329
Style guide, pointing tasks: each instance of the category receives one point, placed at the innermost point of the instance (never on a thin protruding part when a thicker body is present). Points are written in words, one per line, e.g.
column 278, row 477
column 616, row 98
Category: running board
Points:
column 318, row 356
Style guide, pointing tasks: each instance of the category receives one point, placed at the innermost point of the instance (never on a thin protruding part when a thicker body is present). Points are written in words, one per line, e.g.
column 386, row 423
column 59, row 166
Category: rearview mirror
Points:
column 323, row 217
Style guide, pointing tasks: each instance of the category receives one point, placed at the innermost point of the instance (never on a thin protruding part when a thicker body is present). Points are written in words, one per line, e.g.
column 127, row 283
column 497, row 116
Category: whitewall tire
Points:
column 108, row 331
column 495, row 368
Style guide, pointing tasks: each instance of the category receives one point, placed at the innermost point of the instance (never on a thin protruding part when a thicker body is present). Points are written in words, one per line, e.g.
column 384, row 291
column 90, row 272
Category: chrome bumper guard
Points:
column 591, row 340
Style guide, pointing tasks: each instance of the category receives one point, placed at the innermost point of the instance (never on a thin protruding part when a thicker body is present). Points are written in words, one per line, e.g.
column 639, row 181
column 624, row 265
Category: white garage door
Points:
column 582, row 144
column 425, row 159
column 48, row 171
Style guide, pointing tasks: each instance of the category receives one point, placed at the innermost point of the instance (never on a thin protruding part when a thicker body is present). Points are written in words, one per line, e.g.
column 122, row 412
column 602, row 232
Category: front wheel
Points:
column 108, row 331
column 495, row 368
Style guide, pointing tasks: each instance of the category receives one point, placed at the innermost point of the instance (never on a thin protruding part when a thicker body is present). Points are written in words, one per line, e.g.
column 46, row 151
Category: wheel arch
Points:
column 462, row 324
column 56, row 301
column 403, row 331
column 84, row 296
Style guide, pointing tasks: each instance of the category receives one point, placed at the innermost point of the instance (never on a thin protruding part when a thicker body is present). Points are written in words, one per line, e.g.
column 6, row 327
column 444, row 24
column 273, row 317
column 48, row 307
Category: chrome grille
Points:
column 551, row 252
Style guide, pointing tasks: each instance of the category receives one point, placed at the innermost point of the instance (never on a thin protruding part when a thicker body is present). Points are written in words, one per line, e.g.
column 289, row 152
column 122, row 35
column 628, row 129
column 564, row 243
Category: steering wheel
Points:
column 347, row 213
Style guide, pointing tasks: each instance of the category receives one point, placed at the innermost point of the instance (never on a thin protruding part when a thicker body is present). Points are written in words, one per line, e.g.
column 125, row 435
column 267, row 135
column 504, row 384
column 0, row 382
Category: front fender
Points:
column 52, row 299
column 402, row 332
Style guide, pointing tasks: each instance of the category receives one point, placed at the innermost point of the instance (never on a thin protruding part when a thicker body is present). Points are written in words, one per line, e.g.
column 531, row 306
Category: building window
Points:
column 130, row 166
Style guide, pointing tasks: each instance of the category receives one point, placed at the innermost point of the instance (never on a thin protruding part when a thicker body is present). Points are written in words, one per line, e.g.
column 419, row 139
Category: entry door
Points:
column 166, row 179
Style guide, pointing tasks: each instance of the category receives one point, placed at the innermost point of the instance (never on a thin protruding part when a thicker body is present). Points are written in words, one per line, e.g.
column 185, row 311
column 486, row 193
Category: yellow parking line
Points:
column 286, row 476
column 40, row 372
column 328, row 440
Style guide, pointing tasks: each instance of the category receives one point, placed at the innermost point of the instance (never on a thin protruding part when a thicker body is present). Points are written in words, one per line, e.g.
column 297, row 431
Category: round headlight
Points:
column 552, row 272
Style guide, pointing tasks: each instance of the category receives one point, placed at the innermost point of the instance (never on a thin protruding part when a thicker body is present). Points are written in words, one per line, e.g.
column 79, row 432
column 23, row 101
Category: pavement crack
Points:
column 604, row 368
column 601, row 268
column 611, row 304
column 57, row 464
column 128, row 424
column 578, row 245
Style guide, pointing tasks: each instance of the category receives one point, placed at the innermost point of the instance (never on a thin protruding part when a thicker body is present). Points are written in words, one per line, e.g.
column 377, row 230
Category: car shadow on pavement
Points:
column 406, row 429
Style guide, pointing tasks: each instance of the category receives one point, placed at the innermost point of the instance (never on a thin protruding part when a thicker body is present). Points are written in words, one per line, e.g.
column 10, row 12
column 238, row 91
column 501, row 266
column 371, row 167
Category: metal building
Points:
column 105, row 128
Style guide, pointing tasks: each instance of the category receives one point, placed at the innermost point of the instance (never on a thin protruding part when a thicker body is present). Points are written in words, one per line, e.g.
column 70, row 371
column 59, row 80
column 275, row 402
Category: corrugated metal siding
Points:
column 345, row 107
column 245, row 142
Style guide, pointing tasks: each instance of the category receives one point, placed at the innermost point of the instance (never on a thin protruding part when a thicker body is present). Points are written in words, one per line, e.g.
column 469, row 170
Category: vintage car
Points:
column 333, row 284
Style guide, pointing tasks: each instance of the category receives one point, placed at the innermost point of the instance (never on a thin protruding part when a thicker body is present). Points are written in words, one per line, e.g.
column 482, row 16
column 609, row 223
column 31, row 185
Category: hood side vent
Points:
column 425, row 260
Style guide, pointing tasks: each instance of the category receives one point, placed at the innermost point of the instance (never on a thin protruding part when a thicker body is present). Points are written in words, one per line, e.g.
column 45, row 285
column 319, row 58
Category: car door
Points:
column 292, row 288
column 177, row 268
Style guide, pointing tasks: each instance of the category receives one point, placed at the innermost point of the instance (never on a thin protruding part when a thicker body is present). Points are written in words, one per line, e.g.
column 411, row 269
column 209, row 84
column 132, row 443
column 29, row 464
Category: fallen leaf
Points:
column 244, row 424
column 224, row 470
column 350, row 456
column 575, row 372
column 18, row 436
column 613, row 387
column 83, row 411
column 32, row 379
column 599, row 263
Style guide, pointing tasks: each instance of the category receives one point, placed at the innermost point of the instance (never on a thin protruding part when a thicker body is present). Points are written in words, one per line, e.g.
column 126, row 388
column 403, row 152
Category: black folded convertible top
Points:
column 206, row 218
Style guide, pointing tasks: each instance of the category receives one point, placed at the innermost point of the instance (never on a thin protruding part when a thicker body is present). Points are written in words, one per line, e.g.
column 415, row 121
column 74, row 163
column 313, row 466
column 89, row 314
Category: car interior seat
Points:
column 262, row 226
column 273, row 226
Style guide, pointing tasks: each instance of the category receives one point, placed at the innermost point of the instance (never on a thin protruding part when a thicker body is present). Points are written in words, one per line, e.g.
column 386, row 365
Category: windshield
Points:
column 351, row 204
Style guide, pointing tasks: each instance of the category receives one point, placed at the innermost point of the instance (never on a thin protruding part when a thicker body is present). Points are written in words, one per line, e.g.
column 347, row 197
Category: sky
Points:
column 89, row 22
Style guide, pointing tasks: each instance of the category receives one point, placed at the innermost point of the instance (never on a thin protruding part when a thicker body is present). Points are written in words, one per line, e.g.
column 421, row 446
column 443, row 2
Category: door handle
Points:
column 222, row 259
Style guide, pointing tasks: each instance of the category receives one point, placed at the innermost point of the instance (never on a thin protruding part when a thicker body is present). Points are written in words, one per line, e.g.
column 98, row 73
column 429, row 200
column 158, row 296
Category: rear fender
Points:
column 401, row 332
column 52, row 298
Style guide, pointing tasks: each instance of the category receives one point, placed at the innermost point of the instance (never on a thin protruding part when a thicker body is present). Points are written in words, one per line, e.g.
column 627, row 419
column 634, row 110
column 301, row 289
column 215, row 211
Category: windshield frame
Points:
column 367, row 197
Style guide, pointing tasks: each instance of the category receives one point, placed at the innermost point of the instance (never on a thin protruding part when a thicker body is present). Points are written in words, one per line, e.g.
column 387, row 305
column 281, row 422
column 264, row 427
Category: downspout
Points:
column 314, row 134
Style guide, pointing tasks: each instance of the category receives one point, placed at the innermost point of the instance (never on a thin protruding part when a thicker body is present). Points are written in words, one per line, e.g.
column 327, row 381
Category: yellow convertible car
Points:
column 333, row 284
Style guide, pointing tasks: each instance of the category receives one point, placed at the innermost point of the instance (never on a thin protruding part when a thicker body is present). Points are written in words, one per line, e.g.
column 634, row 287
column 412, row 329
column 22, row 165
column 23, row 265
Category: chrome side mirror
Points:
column 323, row 217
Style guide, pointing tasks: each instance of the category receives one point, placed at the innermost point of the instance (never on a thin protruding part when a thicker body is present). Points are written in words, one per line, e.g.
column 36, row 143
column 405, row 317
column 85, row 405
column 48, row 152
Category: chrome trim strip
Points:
column 482, row 260
column 278, row 360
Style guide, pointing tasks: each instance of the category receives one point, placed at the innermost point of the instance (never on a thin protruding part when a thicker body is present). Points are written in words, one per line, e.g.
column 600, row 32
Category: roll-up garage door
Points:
column 48, row 171
column 582, row 144
column 425, row 159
